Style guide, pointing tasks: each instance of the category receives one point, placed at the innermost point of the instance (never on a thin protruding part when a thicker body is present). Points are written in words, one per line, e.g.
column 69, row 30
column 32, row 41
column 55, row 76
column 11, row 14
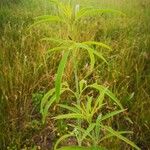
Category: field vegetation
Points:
column 74, row 74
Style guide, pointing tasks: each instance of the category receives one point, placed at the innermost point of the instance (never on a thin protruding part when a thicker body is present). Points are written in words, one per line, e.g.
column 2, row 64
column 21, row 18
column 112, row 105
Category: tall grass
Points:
column 24, row 70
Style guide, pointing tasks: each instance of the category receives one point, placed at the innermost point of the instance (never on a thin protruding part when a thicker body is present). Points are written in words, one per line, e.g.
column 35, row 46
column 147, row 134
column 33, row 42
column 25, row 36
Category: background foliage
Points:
column 25, row 73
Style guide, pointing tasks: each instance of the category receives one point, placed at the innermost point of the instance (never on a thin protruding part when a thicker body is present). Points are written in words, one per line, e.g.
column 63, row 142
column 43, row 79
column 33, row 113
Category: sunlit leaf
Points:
column 60, row 71
column 80, row 148
column 45, row 19
column 95, row 12
column 98, row 44
column 69, row 116
column 73, row 109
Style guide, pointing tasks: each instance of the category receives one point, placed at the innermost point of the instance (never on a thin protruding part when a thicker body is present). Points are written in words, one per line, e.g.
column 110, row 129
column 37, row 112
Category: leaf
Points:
column 60, row 48
column 73, row 109
column 45, row 19
column 108, row 92
column 98, row 44
column 94, row 12
column 45, row 99
column 89, row 104
column 60, row 71
column 47, row 104
column 88, row 130
column 80, row 148
column 97, row 127
column 82, row 83
column 65, row 9
column 69, row 116
column 92, row 58
column 108, row 115
column 90, row 52
column 99, row 102
column 100, row 56
column 117, row 134
column 58, row 41
column 61, row 139
column 111, row 135
column 46, row 108
column 72, row 148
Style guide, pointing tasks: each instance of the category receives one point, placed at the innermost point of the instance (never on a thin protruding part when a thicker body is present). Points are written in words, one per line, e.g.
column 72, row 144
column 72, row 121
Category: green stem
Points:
column 75, row 63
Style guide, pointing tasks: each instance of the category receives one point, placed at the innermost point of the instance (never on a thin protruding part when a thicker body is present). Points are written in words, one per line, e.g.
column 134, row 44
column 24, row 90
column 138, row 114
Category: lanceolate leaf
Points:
column 47, row 102
column 60, row 48
column 111, row 135
column 100, row 56
column 95, row 12
column 47, row 106
column 80, row 148
column 61, row 139
column 107, row 92
column 108, row 115
column 70, row 116
column 45, row 99
column 88, row 130
column 45, row 19
column 73, row 109
column 98, row 44
column 91, row 52
column 58, row 41
column 60, row 72
column 117, row 134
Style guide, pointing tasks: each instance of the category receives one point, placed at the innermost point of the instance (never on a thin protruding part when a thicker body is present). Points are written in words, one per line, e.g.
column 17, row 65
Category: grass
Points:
column 24, row 70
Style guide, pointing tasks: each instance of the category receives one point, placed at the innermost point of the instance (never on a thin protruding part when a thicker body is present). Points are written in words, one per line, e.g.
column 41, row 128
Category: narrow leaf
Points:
column 69, row 116
column 73, row 109
column 117, row 134
column 45, row 99
column 98, row 44
column 61, row 139
column 111, row 135
column 108, row 92
column 111, row 114
column 88, row 130
column 60, row 71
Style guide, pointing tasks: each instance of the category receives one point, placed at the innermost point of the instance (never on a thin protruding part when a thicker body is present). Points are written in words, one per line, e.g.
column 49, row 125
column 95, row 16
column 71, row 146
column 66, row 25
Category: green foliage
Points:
column 86, row 114
column 67, row 47
column 80, row 148
column 83, row 113
column 28, row 65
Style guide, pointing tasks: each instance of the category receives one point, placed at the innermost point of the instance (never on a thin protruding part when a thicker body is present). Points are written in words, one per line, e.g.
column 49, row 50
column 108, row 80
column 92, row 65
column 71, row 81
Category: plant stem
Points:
column 75, row 63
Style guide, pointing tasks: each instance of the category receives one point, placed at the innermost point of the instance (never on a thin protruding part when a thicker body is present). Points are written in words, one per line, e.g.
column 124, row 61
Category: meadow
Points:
column 74, row 75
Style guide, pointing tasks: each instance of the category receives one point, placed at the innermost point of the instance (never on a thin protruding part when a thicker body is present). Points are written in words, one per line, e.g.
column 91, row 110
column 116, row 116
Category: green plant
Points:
column 86, row 111
column 70, row 47
column 80, row 148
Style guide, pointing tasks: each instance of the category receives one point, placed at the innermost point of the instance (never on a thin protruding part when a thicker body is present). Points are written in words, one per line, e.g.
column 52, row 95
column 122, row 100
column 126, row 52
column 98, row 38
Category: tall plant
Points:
column 87, row 110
